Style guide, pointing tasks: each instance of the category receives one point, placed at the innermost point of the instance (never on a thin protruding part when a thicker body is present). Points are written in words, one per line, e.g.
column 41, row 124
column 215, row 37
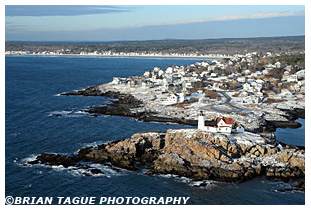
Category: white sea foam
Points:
column 183, row 179
column 24, row 161
column 60, row 113
column 72, row 113
column 58, row 168
column 80, row 112
column 167, row 175
column 206, row 184
column 109, row 171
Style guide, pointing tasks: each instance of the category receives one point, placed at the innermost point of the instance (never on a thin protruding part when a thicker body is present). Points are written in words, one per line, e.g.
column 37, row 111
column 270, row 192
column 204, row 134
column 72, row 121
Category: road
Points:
column 227, row 102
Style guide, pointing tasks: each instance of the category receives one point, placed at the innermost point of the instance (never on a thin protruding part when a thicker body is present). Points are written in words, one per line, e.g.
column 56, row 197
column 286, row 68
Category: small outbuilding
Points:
column 240, row 128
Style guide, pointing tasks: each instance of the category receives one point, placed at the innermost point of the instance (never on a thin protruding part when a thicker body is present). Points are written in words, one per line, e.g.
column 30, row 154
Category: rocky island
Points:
column 191, row 153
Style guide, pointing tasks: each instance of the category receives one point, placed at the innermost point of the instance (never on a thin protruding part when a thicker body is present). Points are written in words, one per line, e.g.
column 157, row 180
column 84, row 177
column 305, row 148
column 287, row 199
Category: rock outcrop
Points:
column 195, row 154
column 201, row 155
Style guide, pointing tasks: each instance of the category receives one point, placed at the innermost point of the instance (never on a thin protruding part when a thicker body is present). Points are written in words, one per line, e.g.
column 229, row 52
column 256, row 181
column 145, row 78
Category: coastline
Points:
column 125, row 102
column 120, row 56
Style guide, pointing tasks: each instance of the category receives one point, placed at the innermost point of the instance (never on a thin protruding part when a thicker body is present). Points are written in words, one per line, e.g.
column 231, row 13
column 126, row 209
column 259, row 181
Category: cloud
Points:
column 264, row 27
column 229, row 17
column 60, row 10
column 11, row 27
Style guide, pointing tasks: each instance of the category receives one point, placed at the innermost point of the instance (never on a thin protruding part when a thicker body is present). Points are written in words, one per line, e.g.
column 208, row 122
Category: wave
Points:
column 72, row 113
column 204, row 184
column 85, row 169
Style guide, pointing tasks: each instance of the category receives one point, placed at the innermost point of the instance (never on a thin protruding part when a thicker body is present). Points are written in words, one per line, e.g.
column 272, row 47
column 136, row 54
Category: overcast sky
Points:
column 110, row 23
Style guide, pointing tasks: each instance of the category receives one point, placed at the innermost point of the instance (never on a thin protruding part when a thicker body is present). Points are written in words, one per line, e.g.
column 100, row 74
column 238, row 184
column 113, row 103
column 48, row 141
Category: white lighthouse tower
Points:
column 201, row 121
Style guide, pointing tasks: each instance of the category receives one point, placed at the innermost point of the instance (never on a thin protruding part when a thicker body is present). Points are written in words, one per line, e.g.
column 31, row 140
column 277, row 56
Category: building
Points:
column 224, row 125
column 240, row 128
column 118, row 80
column 173, row 98
column 252, row 99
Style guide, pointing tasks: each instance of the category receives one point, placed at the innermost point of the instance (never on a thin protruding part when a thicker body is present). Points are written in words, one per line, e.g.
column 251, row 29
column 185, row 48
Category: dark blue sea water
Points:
column 292, row 136
column 32, row 85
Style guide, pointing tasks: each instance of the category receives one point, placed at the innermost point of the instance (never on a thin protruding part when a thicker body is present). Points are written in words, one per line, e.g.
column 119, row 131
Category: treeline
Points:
column 219, row 46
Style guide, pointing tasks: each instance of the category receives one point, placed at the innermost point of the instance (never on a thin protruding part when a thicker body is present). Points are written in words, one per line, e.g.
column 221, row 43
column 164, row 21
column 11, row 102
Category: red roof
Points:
column 227, row 120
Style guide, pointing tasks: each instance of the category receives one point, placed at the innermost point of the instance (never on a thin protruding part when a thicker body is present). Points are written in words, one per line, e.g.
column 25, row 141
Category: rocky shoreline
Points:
column 191, row 153
column 123, row 106
column 125, row 102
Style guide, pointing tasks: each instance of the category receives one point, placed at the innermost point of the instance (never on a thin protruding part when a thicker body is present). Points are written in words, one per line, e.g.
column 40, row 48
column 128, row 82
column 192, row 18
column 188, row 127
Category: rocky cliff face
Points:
column 195, row 154
column 201, row 155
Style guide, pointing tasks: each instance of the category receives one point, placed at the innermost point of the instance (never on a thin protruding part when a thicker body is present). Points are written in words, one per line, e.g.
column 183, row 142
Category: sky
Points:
column 150, row 22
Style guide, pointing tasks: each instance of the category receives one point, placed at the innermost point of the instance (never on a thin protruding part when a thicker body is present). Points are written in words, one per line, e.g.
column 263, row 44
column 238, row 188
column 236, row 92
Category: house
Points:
column 115, row 80
column 285, row 91
column 295, row 87
column 278, row 65
column 224, row 125
column 147, row 73
column 274, row 96
column 173, row 98
column 118, row 80
column 243, row 94
column 252, row 99
column 241, row 79
column 259, row 94
column 246, row 72
column 300, row 74
column 240, row 128
column 288, row 95
column 169, row 70
column 181, row 97
column 134, row 81
column 289, row 78
column 288, row 68
column 216, row 85
column 214, row 75
column 292, row 78
column 246, row 86
column 265, row 72
column 187, row 85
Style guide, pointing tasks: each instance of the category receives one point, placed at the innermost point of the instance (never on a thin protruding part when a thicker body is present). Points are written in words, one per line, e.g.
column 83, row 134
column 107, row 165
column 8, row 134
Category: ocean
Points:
column 38, row 120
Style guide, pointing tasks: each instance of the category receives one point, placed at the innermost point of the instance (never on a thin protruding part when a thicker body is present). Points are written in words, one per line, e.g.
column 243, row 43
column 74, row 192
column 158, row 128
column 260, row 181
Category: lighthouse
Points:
column 201, row 121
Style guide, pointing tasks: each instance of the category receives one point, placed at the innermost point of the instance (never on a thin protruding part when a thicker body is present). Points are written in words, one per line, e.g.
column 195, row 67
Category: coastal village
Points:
column 69, row 52
column 228, row 100
column 246, row 89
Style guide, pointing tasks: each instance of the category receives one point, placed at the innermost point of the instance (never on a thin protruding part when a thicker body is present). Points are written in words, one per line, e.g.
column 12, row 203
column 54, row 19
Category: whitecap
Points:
column 32, row 157
column 108, row 170
column 59, row 113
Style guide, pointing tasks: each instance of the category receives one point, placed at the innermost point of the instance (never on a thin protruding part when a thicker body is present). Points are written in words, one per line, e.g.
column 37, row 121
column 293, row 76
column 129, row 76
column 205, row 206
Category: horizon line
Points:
column 166, row 39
